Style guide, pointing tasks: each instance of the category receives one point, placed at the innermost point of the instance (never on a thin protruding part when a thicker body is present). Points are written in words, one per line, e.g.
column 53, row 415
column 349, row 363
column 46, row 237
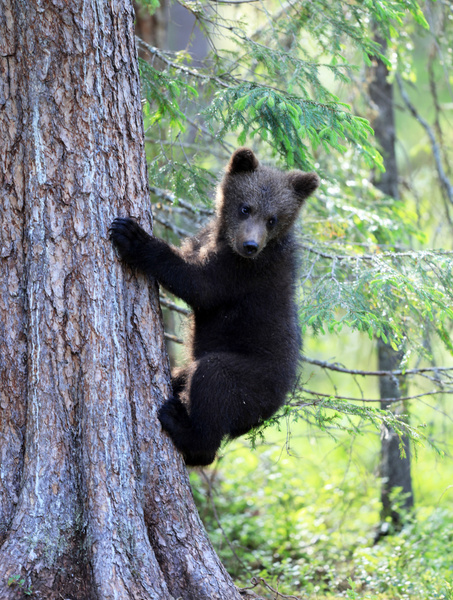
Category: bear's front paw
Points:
column 128, row 238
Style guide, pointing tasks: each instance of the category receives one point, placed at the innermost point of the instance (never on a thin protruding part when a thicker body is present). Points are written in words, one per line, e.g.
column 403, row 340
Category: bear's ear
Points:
column 303, row 184
column 242, row 161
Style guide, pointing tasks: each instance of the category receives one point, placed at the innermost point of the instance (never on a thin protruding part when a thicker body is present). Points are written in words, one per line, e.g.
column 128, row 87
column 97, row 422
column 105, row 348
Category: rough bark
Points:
column 95, row 502
column 13, row 348
column 395, row 468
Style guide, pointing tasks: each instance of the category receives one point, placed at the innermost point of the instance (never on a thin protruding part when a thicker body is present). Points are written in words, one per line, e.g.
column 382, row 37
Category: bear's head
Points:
column 258, row 204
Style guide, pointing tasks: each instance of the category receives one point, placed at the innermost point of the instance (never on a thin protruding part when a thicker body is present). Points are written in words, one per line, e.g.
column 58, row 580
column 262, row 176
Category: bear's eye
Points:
column 272, row 221
column 244, row 210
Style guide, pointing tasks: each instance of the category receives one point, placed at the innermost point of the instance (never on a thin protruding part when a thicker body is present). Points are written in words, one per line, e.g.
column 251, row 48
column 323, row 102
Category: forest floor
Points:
column 303, row 513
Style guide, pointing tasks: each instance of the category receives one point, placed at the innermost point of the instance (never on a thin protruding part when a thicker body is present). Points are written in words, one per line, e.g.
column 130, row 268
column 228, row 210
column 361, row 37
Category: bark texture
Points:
column 95, row 502
column 395, row 469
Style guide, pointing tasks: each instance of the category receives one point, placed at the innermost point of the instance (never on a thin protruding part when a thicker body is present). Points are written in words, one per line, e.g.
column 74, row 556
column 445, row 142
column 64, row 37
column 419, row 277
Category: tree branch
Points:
column 173, row 306
column 173, row 199
column 219, row 523
column 340, row 369
column 419, row 255
column 259, row 580
column 387, row 400
column 163, row 56
column 176, row 230
column 173, row 338
column 446, row 184
column 235, row 1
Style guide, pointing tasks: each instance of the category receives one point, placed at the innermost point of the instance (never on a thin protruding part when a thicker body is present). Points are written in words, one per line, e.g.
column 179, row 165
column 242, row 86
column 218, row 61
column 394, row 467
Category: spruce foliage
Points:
column 284, row 81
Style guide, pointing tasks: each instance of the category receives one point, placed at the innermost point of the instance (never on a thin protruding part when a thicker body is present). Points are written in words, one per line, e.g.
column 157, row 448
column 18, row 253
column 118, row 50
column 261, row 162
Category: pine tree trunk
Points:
column 395, row 467
column 95, row 502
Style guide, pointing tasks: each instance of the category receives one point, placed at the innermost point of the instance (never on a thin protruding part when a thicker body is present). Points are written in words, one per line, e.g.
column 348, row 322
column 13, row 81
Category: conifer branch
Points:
column 173, row 199
column 416, row 255
column 172, row 227
column 373, row 400
column 235, row 1
column 337, row 367
column 446, row 184
column 164, row 57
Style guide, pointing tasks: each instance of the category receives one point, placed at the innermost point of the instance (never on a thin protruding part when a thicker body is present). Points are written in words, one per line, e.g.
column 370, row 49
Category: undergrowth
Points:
column 308, row 525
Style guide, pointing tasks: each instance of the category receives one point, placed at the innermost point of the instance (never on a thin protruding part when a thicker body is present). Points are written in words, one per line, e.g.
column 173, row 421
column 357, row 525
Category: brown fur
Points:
column 238, row 274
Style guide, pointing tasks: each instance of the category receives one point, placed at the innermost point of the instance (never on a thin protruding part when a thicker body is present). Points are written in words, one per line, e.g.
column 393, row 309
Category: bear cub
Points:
column 238, row 274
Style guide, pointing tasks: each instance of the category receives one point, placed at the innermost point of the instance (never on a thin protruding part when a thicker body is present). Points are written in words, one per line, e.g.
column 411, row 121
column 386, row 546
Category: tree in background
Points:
column 395, row 466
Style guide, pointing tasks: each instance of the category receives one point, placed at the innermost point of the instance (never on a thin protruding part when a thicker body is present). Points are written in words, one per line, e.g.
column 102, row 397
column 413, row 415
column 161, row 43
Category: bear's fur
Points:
column 238, row 274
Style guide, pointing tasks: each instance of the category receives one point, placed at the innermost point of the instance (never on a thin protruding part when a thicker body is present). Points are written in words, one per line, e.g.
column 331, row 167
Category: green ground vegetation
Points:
column 303, row 512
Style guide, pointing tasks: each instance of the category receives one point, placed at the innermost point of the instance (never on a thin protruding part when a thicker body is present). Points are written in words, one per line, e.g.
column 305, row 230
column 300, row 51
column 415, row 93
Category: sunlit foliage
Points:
column 275, row 82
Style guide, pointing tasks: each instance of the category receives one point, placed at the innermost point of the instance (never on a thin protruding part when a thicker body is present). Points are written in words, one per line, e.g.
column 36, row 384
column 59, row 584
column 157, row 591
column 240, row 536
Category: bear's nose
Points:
column 250, row 248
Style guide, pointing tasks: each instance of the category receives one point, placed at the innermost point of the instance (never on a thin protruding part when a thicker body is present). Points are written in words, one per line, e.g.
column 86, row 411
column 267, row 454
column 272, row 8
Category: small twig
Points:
column 173, row 306
column 175, row 210
column 418, row 255
column 227, row 146
column 188, row 145
column 176, row 230
column 173, row 338
column 259, row 580
column 446, row 184
column 170, row 197
column 247, row 591
column 340, row 369
column 235, row 1
column 387, row 400
column 180, row 67
column 216, row 516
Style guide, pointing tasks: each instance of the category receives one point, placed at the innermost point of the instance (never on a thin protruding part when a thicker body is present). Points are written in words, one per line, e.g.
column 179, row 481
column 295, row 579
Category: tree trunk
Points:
column 395, row 468
column 95, row 502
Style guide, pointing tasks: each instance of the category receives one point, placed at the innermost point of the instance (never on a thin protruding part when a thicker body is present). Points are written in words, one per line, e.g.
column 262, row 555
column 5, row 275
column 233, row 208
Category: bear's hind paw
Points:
column 173, row 415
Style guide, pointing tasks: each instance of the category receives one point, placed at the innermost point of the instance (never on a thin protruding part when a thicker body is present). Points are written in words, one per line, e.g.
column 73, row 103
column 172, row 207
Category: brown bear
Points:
column 238, row 274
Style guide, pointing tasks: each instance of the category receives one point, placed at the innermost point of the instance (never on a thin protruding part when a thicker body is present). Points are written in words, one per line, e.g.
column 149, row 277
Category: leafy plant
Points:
column 310, row 530
column 17, row 580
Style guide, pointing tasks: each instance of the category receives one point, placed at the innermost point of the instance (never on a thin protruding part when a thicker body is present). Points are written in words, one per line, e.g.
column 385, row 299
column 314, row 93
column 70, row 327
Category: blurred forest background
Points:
column 348, row 493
